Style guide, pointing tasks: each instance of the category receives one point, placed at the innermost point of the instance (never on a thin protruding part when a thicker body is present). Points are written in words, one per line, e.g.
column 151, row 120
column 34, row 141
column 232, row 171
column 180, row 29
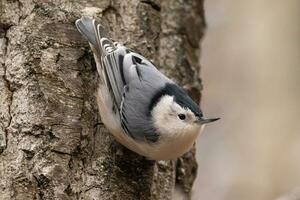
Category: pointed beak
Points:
column 206, row 121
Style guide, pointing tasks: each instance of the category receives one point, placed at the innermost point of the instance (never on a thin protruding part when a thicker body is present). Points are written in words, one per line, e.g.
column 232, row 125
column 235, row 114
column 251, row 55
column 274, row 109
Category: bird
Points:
column 143, row 109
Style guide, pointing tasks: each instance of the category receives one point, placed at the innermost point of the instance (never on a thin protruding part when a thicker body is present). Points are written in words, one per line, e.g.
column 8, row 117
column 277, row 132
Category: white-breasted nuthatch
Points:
column 145, row 111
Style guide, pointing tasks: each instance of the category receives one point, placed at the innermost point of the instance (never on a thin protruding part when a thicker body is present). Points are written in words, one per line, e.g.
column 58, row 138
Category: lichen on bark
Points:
column 51, row 143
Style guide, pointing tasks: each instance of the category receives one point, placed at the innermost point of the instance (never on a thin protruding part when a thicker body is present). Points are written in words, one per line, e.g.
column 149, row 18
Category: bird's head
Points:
column 175, row 113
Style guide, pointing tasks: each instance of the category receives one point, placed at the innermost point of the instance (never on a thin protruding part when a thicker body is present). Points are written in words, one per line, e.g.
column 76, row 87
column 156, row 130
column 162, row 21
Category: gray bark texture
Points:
column 52, row 145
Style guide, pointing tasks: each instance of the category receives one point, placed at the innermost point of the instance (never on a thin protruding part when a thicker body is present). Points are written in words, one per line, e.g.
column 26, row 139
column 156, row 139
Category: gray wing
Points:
column 145, row 82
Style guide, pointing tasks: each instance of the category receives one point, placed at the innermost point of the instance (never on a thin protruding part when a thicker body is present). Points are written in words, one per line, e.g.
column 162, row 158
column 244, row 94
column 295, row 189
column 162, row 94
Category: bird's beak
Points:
column 206, row 121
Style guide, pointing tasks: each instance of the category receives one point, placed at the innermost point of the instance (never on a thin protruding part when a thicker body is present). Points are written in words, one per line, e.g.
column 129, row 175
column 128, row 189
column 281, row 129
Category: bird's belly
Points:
column 155, row 151
column 173, row 148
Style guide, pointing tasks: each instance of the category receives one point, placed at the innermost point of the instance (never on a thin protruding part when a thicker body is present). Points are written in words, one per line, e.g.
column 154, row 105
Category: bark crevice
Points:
column 8, row 87
column 153, row 4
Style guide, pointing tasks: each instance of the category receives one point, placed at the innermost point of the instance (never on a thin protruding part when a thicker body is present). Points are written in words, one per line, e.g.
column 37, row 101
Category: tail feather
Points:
column 86, row 26
column 95, row 34
column 104, row 53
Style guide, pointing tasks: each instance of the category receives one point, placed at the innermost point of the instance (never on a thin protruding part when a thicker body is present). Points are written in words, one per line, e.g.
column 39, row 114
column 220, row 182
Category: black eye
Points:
column 181, row 116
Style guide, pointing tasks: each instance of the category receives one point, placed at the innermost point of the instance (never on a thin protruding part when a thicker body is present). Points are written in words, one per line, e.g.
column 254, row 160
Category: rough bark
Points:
column 52, row 145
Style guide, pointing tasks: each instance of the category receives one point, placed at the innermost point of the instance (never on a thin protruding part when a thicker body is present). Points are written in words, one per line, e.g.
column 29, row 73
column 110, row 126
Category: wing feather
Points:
column 136, row 100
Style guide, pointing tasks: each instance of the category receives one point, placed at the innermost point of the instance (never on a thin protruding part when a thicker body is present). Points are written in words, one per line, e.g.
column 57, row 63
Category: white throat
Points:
column 176, row 137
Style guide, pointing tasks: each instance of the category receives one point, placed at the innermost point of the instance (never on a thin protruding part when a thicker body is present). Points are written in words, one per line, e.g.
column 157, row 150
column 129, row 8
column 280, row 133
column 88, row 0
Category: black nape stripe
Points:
column 155, row 99
column 180, row 97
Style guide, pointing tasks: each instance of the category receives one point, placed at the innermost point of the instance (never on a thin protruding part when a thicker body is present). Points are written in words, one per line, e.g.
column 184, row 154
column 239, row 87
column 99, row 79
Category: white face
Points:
column 172, row 120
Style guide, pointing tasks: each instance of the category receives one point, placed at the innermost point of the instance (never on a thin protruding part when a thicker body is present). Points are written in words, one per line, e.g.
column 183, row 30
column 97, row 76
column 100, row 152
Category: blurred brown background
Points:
column 251, row 76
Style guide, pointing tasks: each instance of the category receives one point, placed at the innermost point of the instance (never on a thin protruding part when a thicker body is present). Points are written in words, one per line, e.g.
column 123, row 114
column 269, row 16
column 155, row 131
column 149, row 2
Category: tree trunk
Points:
column 51, row 142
